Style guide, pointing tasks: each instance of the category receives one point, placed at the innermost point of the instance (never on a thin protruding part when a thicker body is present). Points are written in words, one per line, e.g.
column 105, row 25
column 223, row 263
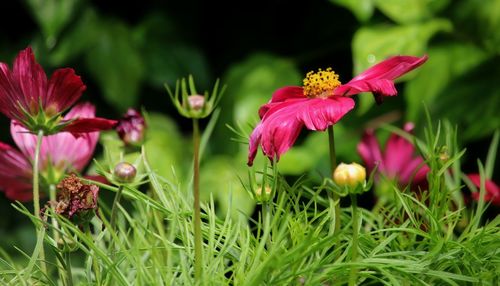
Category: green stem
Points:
column 114, row 208
column 36, row 194
column 97, row 272
column 55, row 232
column 334, row 199
column 267, row 216
column 198, row 258
column 69, row 274
column 355, row 233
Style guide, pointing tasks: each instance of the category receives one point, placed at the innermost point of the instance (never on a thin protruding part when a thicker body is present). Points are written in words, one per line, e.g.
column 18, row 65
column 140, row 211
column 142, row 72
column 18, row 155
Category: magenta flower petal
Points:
column 15, row 174
column 379, row 78
column 280, row 95
column 283, row 122
column 492, row 190
column 64, row 89
column 370, row 152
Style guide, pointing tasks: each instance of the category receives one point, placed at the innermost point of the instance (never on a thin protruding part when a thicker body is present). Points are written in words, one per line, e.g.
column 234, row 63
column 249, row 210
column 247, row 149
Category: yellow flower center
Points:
column 320, row 83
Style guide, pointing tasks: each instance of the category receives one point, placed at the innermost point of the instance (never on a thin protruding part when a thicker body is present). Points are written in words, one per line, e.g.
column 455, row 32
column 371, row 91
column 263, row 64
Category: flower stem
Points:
column 36, row 194
column 198, row 259
column 114, row 208
column 69, row 274
column 55, row 233
column 333, row 197
column 354, row 247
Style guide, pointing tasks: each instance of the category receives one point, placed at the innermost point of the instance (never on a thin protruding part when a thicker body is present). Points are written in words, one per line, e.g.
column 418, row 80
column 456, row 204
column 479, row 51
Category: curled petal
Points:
column 379, row 78
column 398, row 154
column 253, row 144
column 85, row 125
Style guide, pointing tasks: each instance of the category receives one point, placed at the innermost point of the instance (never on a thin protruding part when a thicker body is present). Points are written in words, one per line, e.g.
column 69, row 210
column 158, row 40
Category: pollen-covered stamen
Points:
column 320, row 83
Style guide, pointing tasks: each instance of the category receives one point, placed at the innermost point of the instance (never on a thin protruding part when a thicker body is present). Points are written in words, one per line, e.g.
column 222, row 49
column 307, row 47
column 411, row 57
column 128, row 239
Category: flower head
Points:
column 76, row 200
column 131, row 128
column 492, row 190
column 60, row 154
column 321, row 102
column 27, row 96
column 397, row 161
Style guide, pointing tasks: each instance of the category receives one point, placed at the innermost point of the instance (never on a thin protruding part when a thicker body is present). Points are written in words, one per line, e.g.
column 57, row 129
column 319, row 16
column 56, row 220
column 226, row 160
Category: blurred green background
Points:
column 125, row 52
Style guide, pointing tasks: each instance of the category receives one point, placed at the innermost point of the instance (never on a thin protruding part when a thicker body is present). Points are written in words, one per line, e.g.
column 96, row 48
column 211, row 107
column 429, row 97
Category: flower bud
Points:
column 263, row 197
column 349, row 174
column 131, row 128
column 196, row 102
column 124, row 172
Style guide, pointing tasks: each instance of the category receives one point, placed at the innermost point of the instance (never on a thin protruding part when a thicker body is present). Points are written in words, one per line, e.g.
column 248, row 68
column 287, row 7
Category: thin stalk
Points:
column 354, row 247
column 114, row 208
column 36, row 194
column 198, row 258
column 55, row 234
column 69, row 274
column 95, row 266
column 267, row 217
column 333, row 198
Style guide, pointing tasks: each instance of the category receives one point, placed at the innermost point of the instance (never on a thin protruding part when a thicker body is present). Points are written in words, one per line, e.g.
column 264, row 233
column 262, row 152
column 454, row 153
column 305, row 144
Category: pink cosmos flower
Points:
column 60, row 154
column 492, row 190
column 320, row 103
column 131, row 128
column 27, row 96
column 398, row 161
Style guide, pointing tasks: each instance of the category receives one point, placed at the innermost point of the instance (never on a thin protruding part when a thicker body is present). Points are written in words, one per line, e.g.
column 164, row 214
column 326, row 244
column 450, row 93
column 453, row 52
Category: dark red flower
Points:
column 27, row 96
column 320, row 103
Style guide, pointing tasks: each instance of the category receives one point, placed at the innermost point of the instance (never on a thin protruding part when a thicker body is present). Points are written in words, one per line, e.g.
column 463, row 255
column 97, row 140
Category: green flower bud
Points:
column 263, row 197
column 124, row 172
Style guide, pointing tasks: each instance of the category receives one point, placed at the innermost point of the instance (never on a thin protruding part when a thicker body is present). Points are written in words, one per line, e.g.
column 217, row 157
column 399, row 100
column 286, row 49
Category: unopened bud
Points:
column 263, row 197
column 349, row 174
column 124, row 172
column 196, row 102
column 131, row 128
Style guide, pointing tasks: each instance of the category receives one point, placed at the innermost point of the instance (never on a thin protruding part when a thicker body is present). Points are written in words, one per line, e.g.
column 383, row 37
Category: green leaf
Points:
column 115, row 63
column 219, row 177
column 446, row 63
column 409, row 11
column 472, row 101
column 166, row 56
column 372, row 44
column 52, row 16
column 362, row 9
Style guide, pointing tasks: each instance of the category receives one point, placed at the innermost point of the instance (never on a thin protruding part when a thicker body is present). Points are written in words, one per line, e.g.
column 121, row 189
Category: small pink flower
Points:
column 398, row 161
column 322, row 102
column 492, row 190
column 27, row 96
column 61, row 152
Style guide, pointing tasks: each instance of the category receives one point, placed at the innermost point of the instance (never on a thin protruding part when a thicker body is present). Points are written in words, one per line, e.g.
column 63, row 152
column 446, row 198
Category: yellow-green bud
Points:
column 124, row 172
column 349, row 174
column 263, row 197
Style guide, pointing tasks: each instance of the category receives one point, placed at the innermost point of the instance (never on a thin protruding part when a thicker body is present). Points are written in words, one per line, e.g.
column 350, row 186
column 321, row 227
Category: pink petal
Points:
column 85, row 125
column 10, row 93
column 398, row 154
column 282, row 94
column 379, row 78
column 64, row 89
column 15, row 174
column 31, row 78
column 369, row 151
